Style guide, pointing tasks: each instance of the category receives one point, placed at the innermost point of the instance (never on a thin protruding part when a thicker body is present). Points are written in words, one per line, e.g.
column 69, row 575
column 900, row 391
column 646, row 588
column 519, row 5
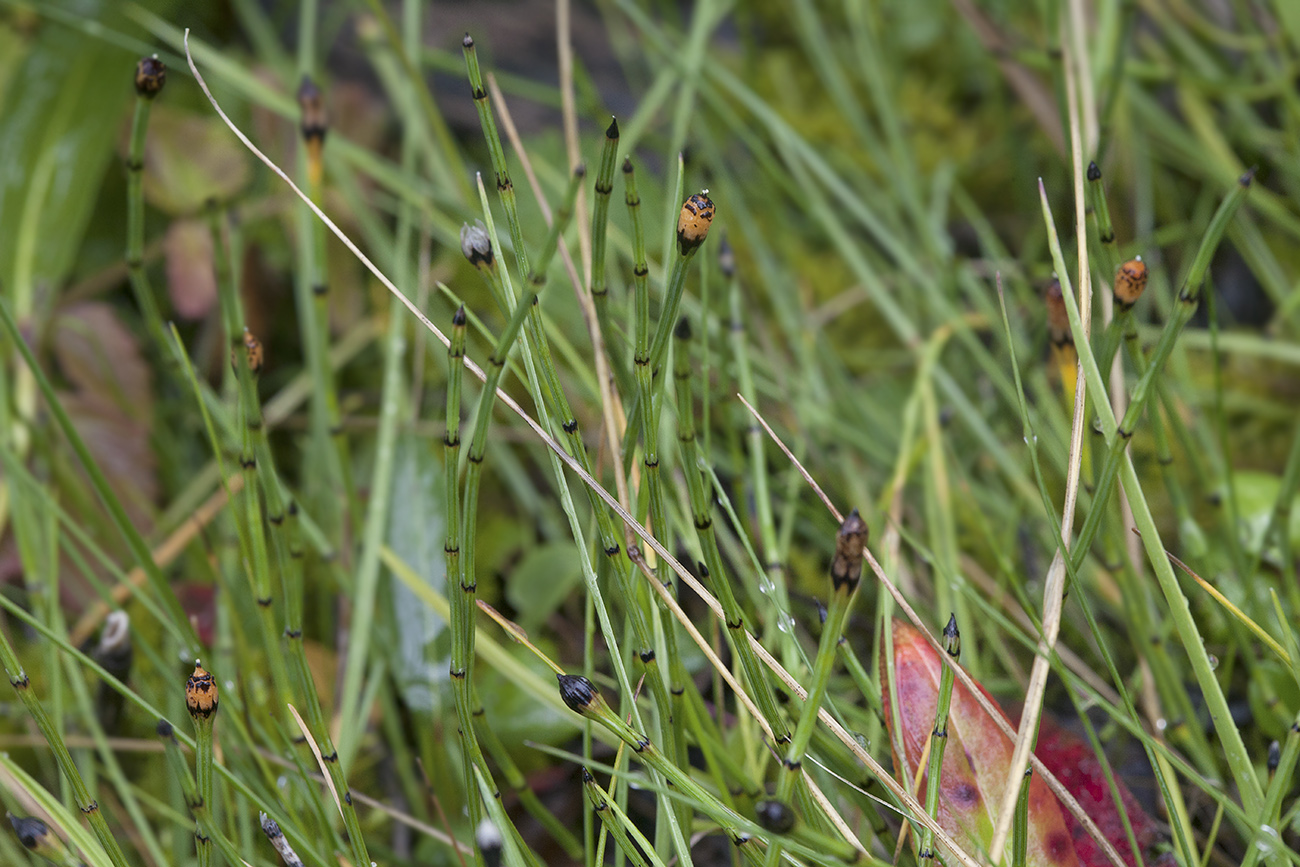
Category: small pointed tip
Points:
column 587, row 777
column 683, row 330
column 951, row 629
column 580, row 170
column 164, row 729
column 468, row 41
column 611, row 131
column 822, row 613
column 627, row 165
column 1094, row 171
column 704, row 570
column 1246, row 179
column 458, row 318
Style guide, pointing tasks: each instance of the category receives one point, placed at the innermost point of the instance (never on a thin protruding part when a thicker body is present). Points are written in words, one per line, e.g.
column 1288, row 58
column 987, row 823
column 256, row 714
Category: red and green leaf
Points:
column 975, row 767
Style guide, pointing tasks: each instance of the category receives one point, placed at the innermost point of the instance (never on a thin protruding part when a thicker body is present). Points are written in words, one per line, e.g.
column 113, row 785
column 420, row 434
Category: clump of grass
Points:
column 851, row 306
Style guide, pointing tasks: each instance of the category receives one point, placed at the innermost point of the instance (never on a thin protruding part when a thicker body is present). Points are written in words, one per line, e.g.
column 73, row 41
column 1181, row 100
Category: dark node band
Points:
column 264, row 601
column 570, row 426
column 293, row 634
column 647, row 656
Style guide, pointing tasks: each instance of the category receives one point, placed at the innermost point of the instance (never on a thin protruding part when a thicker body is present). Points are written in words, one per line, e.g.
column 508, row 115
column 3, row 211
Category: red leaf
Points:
column 1072, row 761
column 975, row 762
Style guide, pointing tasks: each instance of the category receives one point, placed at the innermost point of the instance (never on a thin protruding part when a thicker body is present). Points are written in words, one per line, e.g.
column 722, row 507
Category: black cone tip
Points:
column 1245, row 180
column 611, row 131
column 580, row 170
column 587, row 777
column 458, row 318
column 1094, row 172
column 683, row 329
column 164, row 729
column 468, row 41
column 576, row 691
column 627, row 165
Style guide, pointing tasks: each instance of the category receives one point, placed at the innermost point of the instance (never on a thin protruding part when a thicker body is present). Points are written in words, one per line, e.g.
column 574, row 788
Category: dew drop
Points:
column 1162, row 724
column 1213, row 660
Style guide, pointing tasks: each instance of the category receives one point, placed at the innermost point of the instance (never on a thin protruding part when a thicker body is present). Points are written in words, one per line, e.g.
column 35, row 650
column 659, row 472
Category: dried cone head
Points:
column 694, row 221
column 150, row 76
column 1130, row 282
column 253, row 351
column 201, row 693
column 311, row 104
column 846, row 568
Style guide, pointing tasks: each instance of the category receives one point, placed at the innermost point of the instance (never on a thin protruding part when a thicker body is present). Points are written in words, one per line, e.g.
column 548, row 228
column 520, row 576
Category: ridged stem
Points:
column 939, row 737
column 714, row 570
column 81, row 794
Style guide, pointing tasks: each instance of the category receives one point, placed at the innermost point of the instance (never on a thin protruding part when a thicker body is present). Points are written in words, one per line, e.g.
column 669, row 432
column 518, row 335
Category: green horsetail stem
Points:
column 247, row 356
column 713, row 568
column 479, row 253
column 582, row 697
column 206, row 833
column 150, row 77
column 846, row 575
column 202, row 701
column 693, row 224
column 505, row 187
column 311, row 298
column 1020, row 821
column 644, row 373
column 610, row 537
column 617, row 824
column 1185, row 307
column 80, row 792
column 939, row 737
column 1119, row 432
column 598, row 286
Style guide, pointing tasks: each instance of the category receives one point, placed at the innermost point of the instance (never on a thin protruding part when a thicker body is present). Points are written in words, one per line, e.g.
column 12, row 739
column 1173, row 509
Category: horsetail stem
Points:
column 1119, row 432
column 693, row 224
column 582, row 697
column 644, row 373
column 150, row 77
column 701, row 512
column 846, row 575
column 598, row 286
column 80, row 793
column 939, row 737
column 1186, row 303
column 202, row 701
column 311, row 298
column 1020, row 821
column 206, row 832
column 615, row 822
column 247, row 357
column 561, row 221
column 518, row 784
column 756, row 441
column 462, row 613
column 504, row 185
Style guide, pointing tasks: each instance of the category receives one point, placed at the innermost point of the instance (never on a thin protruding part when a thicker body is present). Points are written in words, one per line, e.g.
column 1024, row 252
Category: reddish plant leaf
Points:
column 191, row 278
column 1072, row 761
column 110, row 401
column 975, row 762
